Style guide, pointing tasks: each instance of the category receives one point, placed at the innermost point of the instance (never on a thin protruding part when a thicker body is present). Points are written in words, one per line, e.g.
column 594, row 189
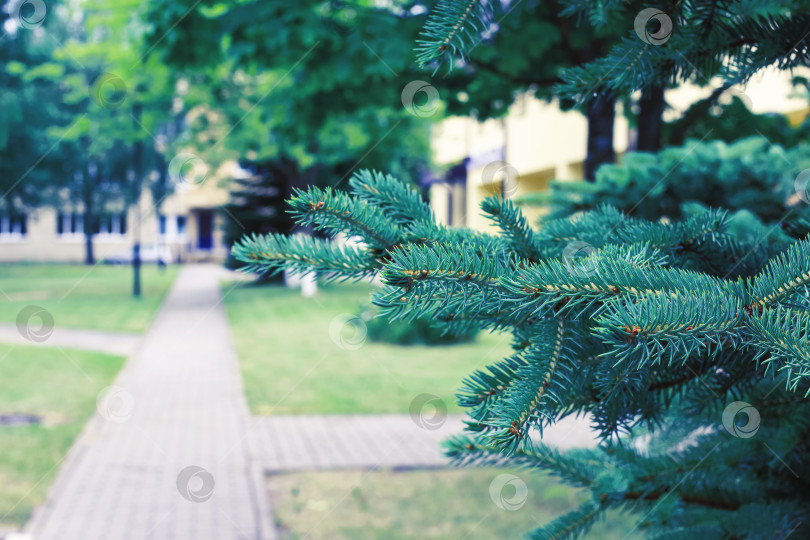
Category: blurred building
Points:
column 186, row 225
column 536, row 142
column 522, row 152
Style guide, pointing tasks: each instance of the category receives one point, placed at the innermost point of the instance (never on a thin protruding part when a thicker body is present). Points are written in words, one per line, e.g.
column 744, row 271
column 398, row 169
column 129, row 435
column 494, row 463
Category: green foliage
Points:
column 420, row 331
column 698, row 40
column 29, row 96
column 623, row 50
column 264, row 253
column 257, row 204
column 315, row 84
column 85, row 116
column 649, row 328
column 403, row 204
column 516, row 48
column 731, row 122
column 453, row 28
column 751, row 174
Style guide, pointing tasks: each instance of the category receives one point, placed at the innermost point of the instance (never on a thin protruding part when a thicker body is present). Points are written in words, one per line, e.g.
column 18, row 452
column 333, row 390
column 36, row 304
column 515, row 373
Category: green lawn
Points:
column 83, row 296
column 59, row 386
column 382, row 504
column 290, row 364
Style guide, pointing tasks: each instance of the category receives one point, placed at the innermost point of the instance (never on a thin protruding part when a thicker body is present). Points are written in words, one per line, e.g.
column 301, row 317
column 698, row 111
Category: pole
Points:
column 137, row 155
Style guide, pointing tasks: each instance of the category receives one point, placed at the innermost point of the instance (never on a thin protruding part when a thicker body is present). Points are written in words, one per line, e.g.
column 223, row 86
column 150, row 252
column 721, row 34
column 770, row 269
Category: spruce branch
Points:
column 452, row 29
column 536, row 388
column 784, row 276
column 606, row 225
column 450, row 276
column 483, row 244
column 482, row 388
column 645, row 331
column 335, row 212
column 571, row 525
column 442, row 262
column 576, row 467
column 604, row 276
column 401, row 203
column 274, row 252
column 671, row 328
column 516, row 230
column 780, row 338
column 733, row 43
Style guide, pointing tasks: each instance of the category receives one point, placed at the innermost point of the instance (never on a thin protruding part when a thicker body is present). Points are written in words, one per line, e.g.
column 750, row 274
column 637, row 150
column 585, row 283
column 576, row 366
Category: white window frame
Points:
column 9, row 232
column 114, row 231
column 66, row 234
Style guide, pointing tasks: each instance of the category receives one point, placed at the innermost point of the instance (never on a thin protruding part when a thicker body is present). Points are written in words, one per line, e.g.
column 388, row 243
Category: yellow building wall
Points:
column 537, row 142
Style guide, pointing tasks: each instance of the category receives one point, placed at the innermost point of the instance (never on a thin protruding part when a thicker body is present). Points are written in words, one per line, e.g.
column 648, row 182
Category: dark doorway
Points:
column 205, row 229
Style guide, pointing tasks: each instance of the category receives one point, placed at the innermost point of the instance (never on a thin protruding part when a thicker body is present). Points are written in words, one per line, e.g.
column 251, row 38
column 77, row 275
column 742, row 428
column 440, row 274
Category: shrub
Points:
column 750, row 174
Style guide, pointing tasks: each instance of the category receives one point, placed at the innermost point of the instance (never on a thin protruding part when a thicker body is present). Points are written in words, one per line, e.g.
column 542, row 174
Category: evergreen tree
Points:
column 666, row 42
column 685, row 344
column 257, row 204
column 663, row 44
column 678, row 330
column 119, row 105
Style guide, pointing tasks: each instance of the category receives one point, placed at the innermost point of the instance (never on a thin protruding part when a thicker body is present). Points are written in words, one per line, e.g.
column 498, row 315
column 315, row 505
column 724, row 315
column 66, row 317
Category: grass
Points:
column 291, row 365
column 82, row 296
column 383, row 504
column 59, row 386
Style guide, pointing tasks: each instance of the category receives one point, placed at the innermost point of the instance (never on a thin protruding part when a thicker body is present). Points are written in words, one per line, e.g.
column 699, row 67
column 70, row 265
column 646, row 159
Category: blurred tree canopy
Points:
column 342, row 68
column 318, row 86
column 29, row 97
column 88, row 122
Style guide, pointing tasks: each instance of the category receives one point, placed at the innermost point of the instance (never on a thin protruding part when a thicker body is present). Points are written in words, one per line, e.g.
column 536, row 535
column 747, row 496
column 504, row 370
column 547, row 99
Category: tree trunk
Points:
column 693, row 114
column 650, row 119
column 89, row 214
column 601, row 114
column 89, row 258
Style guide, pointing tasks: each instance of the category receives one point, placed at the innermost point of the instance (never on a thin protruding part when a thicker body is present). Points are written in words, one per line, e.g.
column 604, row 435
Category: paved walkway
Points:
column 177, row 404
column 173, row 453
column 312, row 442
column 117, row 343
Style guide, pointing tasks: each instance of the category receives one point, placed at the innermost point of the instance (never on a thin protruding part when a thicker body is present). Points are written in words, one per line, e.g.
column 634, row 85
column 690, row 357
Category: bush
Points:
column 750, row 174
column 420, row 331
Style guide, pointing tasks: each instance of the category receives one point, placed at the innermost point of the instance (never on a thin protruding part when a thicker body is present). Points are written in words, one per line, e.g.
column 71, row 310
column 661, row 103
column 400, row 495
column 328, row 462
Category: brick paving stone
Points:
column 373, row 440
column 120, row 479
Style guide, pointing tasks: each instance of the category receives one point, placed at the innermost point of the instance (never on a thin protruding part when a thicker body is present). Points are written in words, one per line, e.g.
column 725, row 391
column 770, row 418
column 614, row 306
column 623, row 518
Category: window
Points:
column 112, row 224
column 13, row 225
column 70, row 223
column 172, row 227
